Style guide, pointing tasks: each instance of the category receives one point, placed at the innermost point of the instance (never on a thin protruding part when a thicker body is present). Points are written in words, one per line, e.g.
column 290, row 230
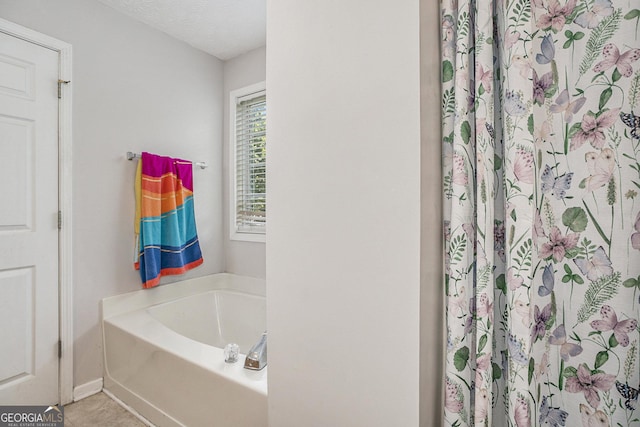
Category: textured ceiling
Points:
column 223, row 28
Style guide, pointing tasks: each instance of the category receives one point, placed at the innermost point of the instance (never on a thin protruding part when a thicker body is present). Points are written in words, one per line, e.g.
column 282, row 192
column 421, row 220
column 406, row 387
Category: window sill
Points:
column 248, row 237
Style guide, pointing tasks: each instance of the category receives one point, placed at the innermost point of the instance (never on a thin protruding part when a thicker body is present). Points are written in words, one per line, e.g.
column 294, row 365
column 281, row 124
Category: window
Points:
column 248, row 113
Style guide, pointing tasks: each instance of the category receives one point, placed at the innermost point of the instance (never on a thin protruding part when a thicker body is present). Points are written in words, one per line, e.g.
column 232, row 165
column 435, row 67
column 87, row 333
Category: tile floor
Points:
column 99, row 410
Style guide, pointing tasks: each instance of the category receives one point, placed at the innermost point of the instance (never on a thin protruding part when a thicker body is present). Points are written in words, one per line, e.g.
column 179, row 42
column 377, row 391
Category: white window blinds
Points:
column 250, row 166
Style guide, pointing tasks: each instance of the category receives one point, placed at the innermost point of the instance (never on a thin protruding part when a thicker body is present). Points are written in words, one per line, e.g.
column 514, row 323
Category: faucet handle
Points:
column 231, row 351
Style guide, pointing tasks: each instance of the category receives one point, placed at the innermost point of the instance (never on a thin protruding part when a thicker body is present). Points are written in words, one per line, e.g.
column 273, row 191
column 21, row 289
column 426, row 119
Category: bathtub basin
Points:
column 163, row 351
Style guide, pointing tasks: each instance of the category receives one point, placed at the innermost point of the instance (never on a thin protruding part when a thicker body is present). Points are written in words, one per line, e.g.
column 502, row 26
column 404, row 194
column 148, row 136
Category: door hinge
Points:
column 59, row 220
column 60, row 83
column 59, row 349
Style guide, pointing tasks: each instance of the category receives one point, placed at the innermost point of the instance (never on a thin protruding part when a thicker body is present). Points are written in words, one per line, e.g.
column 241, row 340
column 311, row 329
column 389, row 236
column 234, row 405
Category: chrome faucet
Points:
column 257, row 357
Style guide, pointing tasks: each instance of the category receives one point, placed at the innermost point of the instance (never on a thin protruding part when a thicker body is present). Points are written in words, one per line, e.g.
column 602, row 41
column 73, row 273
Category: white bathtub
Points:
column 163, row 350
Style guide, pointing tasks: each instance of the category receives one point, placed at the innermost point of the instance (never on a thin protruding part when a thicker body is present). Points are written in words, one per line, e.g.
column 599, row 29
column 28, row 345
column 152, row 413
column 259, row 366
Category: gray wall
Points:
column 432, row 329
column 134, row 89
column 344, row 230
column 245, row 258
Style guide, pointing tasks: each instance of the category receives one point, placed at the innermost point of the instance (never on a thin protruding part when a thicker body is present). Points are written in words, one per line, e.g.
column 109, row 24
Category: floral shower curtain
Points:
column 541, row 142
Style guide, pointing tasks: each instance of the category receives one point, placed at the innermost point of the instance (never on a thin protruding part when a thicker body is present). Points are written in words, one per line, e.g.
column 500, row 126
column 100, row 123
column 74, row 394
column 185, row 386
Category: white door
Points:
column 28, row 223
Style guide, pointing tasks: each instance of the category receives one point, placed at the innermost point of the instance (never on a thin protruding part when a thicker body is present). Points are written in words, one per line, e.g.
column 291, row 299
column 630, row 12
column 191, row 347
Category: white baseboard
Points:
column 87, row 389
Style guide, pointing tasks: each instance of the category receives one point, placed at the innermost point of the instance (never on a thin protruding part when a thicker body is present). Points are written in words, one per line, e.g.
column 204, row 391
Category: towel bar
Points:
column 131, row 155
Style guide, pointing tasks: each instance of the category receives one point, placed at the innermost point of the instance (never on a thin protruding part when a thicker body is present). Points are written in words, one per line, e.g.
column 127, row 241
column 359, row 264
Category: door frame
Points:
column 65, row 275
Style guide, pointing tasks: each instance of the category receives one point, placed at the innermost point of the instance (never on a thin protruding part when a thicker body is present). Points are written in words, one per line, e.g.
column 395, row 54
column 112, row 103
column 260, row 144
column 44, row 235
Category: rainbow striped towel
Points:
column 165, row 221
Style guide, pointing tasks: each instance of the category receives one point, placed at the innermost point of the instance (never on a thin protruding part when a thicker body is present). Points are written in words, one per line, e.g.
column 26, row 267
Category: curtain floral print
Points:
column 541, row 141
